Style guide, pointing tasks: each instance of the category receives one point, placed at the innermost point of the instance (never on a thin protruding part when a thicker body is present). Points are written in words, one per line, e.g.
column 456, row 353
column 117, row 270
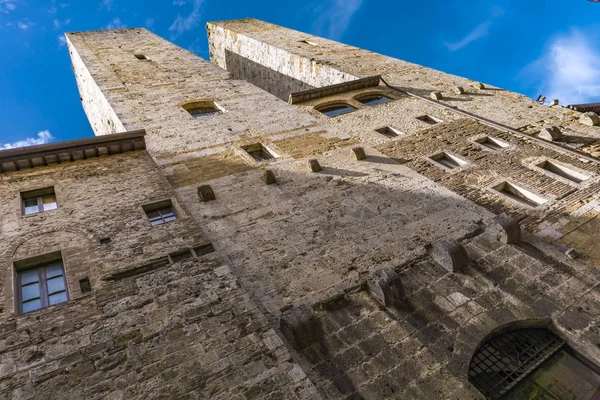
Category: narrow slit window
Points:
column 449, row 161
column 492, row 143
column 180, row 255
column 202, row 109
column 519, row 194
column 336, row 109
column 259, row 152
column 160, row 213
column 41, row 286
column 373, row 99
column 388, row 131
column 37, row 201
column 428, row 119
column 563, row 171
column 140, row 56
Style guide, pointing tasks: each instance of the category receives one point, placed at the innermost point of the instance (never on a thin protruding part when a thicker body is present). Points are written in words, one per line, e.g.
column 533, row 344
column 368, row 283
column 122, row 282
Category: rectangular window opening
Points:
column 388, row 131
column 259, row 152
column 141, row 56
column 36, row 201
column 40, row 282
column 429, row 119
column 160, row 213
column 180, row 255
column 448, row 160
column 204, row 249
column 492, row 143
column 563, row 171
column 85, row 286
column 519, row 194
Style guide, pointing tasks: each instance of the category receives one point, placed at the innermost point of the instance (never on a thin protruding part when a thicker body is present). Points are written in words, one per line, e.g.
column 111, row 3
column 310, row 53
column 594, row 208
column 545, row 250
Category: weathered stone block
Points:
column 554, row 102
column 385, row 285
column 505, row 229
column 314, row 165
column 301, row 326
column 359, row 152
column 551, row 133
column 590, row 118
column 459, row 90
column 269, row 177
column 437, row 95
column 450, row 254
column 480, row 86
column 205, row 192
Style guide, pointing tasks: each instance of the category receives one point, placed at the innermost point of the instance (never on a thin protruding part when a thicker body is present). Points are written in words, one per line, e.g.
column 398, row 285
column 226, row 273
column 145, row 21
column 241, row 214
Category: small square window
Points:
column 388, row 131
column 259, row 152
column 448, row 160
column 140, row 57
column 160, row 213
column 492, row 143
column 37, row 201
column 85, row 286
column 428, row 119
column 41, row 285
column 519, row 194
column 201, row 109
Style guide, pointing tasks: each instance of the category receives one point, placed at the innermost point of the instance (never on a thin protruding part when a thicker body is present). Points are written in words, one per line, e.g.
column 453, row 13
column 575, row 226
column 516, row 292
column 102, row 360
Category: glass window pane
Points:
column 32, row 305
column 31, row 206
column 57, row 298
column 53, row 270
column 171, row 218
column 157, row 222
column 30, row 291
column 55, row 285
column 49, row 202
column 29, row 276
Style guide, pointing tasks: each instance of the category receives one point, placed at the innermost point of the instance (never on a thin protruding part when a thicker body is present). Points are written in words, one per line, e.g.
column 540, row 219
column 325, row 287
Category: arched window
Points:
column 532, row 363
column 336, row 109
column 202, row 109
column 373, row 99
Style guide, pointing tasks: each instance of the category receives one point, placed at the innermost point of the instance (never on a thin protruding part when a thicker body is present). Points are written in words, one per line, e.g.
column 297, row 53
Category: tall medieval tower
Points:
column 298, row 218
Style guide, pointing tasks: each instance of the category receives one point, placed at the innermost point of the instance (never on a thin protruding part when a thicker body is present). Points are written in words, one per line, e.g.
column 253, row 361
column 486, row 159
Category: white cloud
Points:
column 116, row 24
column 178, row 2
column 182, row 25
column 106, row 4
column 149, row 23
column 7, row 6
column 58, row 23
column 43, row 137
column 479, row 32
column 62, row 40
column 569, row 69
column 335, row 17
column 25, row 25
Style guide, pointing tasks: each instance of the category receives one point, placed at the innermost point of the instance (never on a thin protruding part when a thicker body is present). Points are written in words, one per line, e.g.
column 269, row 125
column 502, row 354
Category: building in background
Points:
column 298, row 219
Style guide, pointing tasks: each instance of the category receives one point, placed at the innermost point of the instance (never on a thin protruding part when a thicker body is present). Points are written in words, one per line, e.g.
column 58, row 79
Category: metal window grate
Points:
column 504, row 360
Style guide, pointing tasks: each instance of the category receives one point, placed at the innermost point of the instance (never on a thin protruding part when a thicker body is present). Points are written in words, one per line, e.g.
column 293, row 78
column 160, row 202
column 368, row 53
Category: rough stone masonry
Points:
column 299, row 219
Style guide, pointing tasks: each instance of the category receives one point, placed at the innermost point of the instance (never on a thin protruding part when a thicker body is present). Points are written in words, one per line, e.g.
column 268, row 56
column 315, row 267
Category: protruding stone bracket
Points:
column 301, row 326
column 437, row 95
column 269, row 177
column 359, row 152
column 551, row 133
column 590, row 118
column 386, row 287
column 504, row 229
column 479, row 86
column 205, row 193
column 314, row 165
column 459, row 90
column 450, row 254
column 554, row 102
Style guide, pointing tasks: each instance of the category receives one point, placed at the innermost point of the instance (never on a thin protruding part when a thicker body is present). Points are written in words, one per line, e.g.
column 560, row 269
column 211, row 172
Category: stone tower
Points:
column 298, row 218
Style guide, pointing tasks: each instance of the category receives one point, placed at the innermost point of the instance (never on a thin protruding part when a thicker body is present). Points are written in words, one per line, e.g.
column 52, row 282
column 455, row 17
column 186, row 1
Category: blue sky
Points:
column 549, row 47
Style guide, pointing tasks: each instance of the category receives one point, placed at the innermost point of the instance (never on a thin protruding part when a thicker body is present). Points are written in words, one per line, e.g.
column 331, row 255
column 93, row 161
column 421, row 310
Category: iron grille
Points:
column 504, row 360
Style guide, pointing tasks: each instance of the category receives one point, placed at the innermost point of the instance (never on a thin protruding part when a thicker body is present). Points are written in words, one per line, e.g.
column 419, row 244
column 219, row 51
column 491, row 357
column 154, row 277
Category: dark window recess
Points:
column 105, row 240
column 180, row 255
column 492, row 143
column 532, row 363
column 85, row 286
column 197, row 112
column 41, row 286
column 388, row 131
column 448, row 160
column 336, row 109
column 373, row 100
column 428, row 120
column 160, row 213
column 140, row 57
column 204, row 249
column 563, row 171
column 37, row 201
column 259, row 152
column 519, row 194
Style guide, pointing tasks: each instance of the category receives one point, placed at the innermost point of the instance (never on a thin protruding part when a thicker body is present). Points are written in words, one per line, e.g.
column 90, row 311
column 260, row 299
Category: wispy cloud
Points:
column 25, row 25
column 479, row 32
column 569, row 69
column 182, row 25
column 116, row 24
column 62, row 41
column 7, row 6
column 58, row 23
column 106, row 4
column 149, row 23
column 43, row 137
column 334, row 17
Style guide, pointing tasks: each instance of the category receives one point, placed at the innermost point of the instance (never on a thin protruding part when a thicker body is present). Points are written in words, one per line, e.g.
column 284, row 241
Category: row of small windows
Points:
column 334, row 110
